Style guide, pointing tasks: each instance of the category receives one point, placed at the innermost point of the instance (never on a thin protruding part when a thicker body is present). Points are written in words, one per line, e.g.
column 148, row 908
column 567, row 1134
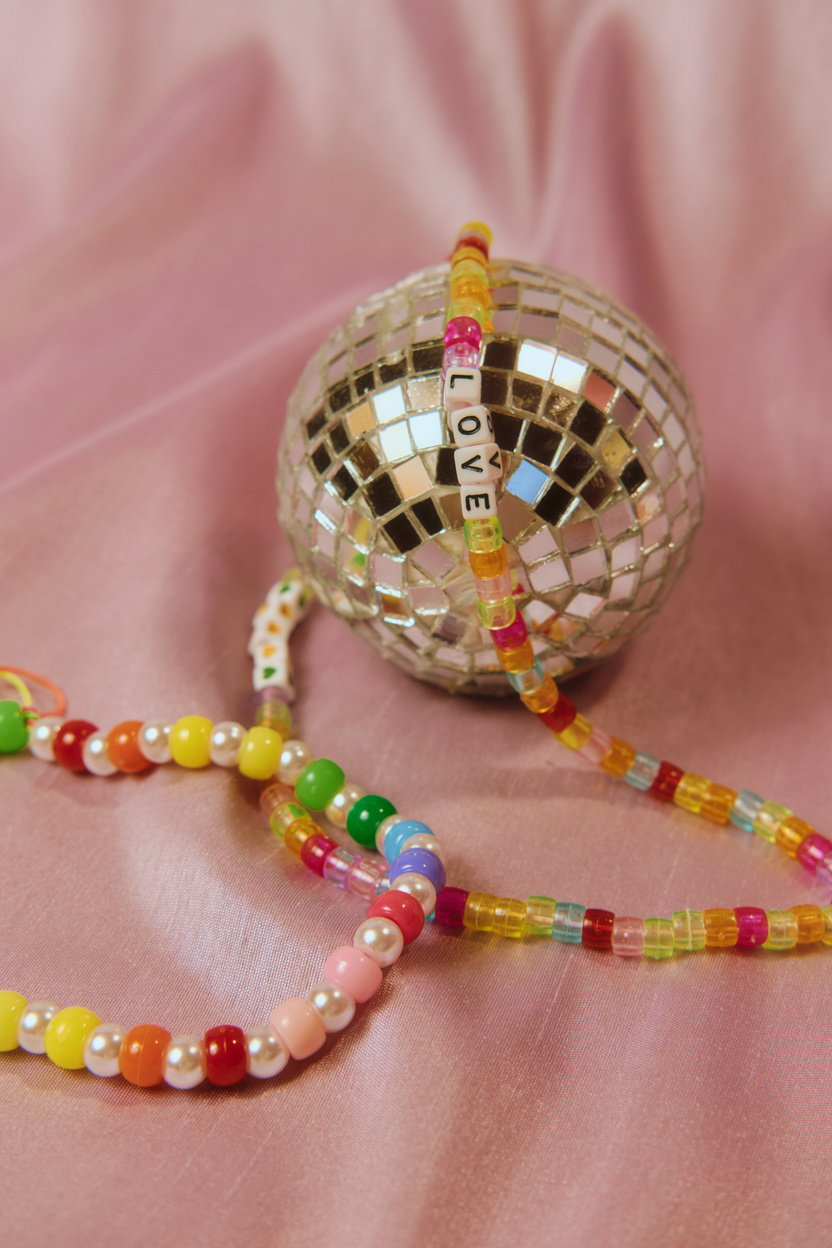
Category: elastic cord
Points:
column 15, row 676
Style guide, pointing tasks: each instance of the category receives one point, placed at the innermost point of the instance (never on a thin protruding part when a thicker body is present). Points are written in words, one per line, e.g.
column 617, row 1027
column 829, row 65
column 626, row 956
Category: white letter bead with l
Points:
column 471, row 426
column 463, row 387
column 478, row 463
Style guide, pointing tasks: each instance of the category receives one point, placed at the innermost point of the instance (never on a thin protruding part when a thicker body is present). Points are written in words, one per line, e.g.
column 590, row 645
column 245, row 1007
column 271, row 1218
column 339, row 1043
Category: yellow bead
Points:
column 482, row 536
column 509, row 917
column 827, row 918
column 477, row 227
column 277, row 715
column 478, row 915
column 811, row 924
column 489, row 562
column 659, row 941
column 577, row 734
column 718, row 803
column 190, row 741
column 518, row 660
column 791, row 834
column 497, row 614
column 688, row 930
column 298, row 833
column 466, row 286
column 691, row 792
column 469, row 268
column 12, row 1006
column 284, row 815
column 769, row 818
column 66, row 1034
column 619, row 758
column 471, row 308
column 467, row 253
column 721, row 928
column 782, row 930
column 542, row 699
column 259, row 753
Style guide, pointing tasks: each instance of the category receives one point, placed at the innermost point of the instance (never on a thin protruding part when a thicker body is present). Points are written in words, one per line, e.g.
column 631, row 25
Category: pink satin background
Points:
column 190, row 197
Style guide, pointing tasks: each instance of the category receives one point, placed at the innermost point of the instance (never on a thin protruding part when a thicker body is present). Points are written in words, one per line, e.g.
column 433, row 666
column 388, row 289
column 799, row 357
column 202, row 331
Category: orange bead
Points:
column 811, row 924
column 619, row 758
column 791, row 834
column 123, row 747
column 542, row 699
column 489, row 562
column 718, row 803
column 467, row 253
column 517, row 660
column 142, row 1054
column 722, row 928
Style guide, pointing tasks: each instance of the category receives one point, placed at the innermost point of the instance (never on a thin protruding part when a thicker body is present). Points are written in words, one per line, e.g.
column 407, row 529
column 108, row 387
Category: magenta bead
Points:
column 354, row 971
column 511, row 637
column 813, row 850
column 315, row 851
column 463, row 329
column 450, row 906
column 753, row 926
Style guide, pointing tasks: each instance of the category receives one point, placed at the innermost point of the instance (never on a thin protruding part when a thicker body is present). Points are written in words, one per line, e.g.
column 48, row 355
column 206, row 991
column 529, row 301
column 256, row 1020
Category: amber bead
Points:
column 718, row 803
column 811, row 924
column 68, row 747
column 722, row 928
column 691, row 792
column 123, row 747
column 790, row 835
column 142, row 1054
column 509, row 917
column 543, row 699
column 489, row 563
column 517, row 660
column 619, row 758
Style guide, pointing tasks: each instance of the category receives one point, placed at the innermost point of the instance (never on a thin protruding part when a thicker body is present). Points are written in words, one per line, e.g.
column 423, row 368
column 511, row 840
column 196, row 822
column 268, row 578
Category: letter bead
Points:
column 478, row 463
column 471, row 426
column 478, row 501
column 463, row 387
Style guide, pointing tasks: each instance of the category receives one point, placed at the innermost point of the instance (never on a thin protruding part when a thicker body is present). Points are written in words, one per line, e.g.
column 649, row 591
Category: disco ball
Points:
column 601, row 489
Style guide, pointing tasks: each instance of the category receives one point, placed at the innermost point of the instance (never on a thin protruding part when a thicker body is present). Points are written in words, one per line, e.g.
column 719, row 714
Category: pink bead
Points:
column 628, row 937
column 273, row 796
column 812, row 851
column 338, row 866
column 493, row 588
column 596, row 748
column 463, row 329
column 363, row 877
column 753, row 926
column 354, row 971
column 823, row 870
column 511, row 637
column 299, row 1025
column 460, row 355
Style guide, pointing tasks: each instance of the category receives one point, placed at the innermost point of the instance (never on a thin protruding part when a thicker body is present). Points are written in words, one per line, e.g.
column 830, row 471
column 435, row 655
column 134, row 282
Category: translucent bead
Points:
column 450, row 907
column 752, row 926
column 154, row 741
column 272, row 796
column 619, row 758
column 782, row 930
column 597, row 931
column 477, row 227
column 667, row 779
column 318, row 783
column 276, row 715
column 562, row 714
column 474, row 309
column 691, row 792
column 721, row 928
column 479, row 912
column 578, row 733
column 494, row 615
column 284, row 815
column 688, row 930
column 298, row 833
column 42, row 737
column 363, row 877
column 518, row 659
column 827, row 931
column 12, row 1005
column 643, row 771
column 190, row 740
column 509, row 917
column 745, row 810
column 529, row 680
column 813, row 850
column 460, row 355
column 66, row 1035
column 493, row 588
column 96, row 757
column 658, row 938
column 513, row 635
column 543, row 699
column 568, row 922
column 489, row 563
column 718, row 804
column 315, row 851
column 811, row 924
column 823, row 871
column 225, row 742
column 338, row 809
column 768, row 820
column 293, row 758
column 791, row 834
column 627, row 936
column 539, row 919
column 337, row 866
column 596, row 749
column 102, row 1048
column 469, row 286
column 463, row 329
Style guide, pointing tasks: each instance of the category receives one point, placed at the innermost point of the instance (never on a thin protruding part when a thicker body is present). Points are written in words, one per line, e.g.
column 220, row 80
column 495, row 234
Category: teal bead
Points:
column 366, row 815
column 14, row 734
column 318, row 783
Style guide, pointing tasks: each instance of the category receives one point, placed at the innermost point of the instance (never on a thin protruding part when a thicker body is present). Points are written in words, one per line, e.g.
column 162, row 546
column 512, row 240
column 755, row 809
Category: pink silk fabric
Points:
column 191, row 196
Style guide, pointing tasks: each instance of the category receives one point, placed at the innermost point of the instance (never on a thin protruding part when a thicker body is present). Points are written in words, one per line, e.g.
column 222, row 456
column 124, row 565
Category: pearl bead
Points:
column 184, row 1063
column 31, row 1030
column 95, row 756
column 423, row 840
column 102, row 1048
column 154, row 742
column 335, row 1006
column 294, row 756
column 381, row 938
column 342, row 803
column 419, row 888
column 267, row 1053
column 384, row 827
column 225, row 743
column 42, row 737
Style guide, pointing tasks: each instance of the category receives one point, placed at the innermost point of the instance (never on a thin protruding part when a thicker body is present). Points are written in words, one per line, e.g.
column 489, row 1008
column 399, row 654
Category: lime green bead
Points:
column 318, row 783
column 688, row 929
column 659, row 940
column 66, row 1035
column 14, row 734
column 190, row 741
column 540, row 916
column 782, row 930
column 275, row 714
column 12, row 1005
column 259, row 753
column 365, row 817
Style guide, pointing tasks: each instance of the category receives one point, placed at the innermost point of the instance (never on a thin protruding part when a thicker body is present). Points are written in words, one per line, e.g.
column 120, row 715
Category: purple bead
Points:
column 753, row 926
column 423, row 862
column 813, row 850
column 463, row 329
column 511, row 637
column 460, row 355
column 450, row 906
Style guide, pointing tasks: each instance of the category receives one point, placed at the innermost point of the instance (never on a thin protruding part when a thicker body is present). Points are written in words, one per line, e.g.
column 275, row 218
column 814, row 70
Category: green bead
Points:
column 366, row 815
column 318, row 783
column 13, row 731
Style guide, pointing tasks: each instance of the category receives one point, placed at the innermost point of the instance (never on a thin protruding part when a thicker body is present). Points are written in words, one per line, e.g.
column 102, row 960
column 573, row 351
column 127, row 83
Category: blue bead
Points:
column 568, row 923
column 745, row 810
column 423, row 862
column 399, row 833
column 643, row 771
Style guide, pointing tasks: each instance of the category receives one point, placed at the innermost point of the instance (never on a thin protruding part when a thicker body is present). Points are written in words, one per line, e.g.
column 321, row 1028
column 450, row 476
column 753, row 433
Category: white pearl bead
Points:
column 423, row 840
column 102, row 1048
column 381, row 938
column 384, row 827
column 342, row 803
column 154, row 742
column 95, row 756
column 42, row 737
column 419, row 886
column 225, row 742
column 294, row 756
column 267, row 1052
column 335, row 1006
column 33, row 1023
column 184, row 1065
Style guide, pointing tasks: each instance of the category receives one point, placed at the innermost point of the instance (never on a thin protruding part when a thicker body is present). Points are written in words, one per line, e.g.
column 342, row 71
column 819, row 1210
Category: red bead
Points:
column 315, row 851
column 473, row 240
column 403, row 909
column 561, row 715
column 666, row 782
column 69, row 743
column 450, row 906
column 225, row 1056
column 597, row 930
column 123, row 747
